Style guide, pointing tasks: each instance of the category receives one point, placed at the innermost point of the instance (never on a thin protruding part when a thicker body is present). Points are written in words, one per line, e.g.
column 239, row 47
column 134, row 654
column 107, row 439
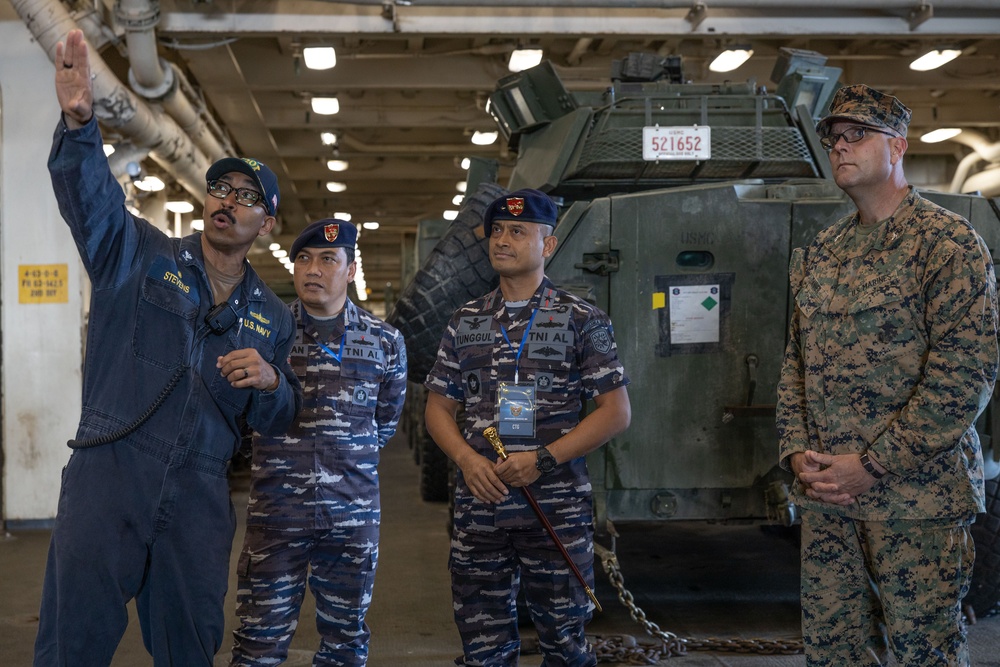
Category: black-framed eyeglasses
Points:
column 851, row 135
column 244, row 196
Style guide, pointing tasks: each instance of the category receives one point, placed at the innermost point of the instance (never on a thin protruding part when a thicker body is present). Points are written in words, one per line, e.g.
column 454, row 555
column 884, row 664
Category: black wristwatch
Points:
column 866, row 462
column 544, row 461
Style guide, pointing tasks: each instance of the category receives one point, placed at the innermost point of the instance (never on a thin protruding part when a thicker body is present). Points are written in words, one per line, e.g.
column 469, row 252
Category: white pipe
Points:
column 155, row 79
column 579, row 49
column 115, row 106
column 963, row 170
column 985, row 182
column 983, row 151
column 687, row 4
column 139, row 18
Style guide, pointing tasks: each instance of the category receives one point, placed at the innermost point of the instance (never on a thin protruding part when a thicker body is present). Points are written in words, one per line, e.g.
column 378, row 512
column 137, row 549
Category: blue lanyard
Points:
column 333, row 354
column 520, row 348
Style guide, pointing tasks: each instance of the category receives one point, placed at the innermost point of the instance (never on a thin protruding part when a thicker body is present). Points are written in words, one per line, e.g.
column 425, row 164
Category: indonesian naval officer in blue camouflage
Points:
column 524, row 359
column 892, row 355
column 314, row 492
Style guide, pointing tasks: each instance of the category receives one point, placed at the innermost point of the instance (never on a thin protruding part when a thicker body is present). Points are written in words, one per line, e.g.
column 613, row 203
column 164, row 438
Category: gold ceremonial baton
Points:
column 493, row 437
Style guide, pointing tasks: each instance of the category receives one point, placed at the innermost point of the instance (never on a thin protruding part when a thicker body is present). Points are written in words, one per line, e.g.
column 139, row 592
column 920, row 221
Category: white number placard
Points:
column 676, row 143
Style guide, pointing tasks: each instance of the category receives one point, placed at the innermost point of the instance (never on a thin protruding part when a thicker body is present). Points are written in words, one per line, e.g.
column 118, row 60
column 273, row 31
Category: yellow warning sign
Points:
column 43, row 283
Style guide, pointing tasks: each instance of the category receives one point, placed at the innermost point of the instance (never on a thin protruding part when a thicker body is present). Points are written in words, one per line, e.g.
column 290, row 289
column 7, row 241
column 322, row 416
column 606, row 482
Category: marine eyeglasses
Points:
column 851, row 135
column 244, row 196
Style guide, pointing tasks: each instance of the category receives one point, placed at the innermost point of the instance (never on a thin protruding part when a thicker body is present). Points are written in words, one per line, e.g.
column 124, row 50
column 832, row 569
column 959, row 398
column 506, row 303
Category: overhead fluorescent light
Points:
column 466, row 163
column 934, row 59
column 198, row 225
column 274, row 246
column 328, row 138
column 730, row 59
column 150, row 184
column 336, row 165
column 372, row 225
column 279, row 254
column 940, row 134
column 179, row 206
column 522, row 59
column 449, row 215
column 325, row 106
column 484, row 138
column 319, row 57
column 336, row 186
column 346, row 217
column 461, row 186
column 458, row 199
column 108, row 150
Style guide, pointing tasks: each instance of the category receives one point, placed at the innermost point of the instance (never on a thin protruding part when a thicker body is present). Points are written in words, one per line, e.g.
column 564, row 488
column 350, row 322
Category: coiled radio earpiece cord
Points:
column 218, row 321
column 108, row 438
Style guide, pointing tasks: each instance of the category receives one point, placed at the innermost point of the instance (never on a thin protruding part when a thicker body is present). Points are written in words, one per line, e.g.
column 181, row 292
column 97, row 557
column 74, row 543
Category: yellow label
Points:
column 659, row 300
column 43, row 283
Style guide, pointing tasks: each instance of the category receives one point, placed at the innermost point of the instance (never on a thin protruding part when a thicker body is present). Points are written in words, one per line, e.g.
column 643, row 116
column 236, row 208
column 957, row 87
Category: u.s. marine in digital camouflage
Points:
column 314, row 496
column 892, row 354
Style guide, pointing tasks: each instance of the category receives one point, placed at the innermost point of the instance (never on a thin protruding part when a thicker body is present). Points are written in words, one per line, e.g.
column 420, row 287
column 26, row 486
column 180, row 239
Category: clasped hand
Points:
column 831, row 478
column 486, row 479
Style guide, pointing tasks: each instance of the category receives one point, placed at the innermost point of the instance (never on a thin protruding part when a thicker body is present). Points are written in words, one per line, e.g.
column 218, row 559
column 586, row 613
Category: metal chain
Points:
column 628, row 651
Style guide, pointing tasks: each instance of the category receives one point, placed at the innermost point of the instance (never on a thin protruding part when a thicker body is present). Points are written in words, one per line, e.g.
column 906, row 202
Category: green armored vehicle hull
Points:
column 680, row 206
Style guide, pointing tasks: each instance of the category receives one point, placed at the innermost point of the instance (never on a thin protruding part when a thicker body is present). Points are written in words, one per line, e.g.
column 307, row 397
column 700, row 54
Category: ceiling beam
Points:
column 518, row 19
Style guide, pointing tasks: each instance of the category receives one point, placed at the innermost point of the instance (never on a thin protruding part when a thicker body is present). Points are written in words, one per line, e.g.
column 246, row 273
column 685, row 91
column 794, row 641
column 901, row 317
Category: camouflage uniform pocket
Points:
column 884, row 327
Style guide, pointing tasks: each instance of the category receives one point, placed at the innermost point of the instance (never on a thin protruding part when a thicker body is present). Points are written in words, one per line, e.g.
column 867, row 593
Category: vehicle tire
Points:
column 433, row 471
column 984, row 593
column 457, row 270
column 417, row 400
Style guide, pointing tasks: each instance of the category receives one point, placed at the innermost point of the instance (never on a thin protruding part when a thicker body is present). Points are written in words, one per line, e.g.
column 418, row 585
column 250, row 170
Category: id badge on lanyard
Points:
column 516, row 409
column 516, row 400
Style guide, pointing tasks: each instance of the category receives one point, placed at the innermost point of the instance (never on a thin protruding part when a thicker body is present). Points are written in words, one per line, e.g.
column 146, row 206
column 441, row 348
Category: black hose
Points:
column 118, row 435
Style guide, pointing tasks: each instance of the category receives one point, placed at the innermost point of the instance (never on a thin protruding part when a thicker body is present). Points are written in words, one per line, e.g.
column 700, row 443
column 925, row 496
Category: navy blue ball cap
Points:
column 262, row 175
column 525, row 205
column 326, row 233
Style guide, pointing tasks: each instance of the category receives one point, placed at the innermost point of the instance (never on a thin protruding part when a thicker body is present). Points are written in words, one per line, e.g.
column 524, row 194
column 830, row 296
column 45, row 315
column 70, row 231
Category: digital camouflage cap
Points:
column 866, row 106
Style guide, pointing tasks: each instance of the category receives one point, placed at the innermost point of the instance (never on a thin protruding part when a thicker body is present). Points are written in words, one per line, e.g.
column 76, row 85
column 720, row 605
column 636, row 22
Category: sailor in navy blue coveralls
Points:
column 144, row 509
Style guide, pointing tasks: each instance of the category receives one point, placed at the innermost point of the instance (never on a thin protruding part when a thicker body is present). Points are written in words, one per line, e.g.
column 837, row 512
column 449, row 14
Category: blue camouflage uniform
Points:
column 570, row 356
column 314, row 494
column 148, row 515
column 892, row 351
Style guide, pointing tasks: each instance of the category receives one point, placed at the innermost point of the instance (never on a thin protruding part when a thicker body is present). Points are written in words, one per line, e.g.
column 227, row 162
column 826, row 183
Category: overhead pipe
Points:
column 983, row 151
column 157, row 80
column 986, row 182
column 118, row 108
column 911, row 5
column 580, row 48
column 963, row 170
